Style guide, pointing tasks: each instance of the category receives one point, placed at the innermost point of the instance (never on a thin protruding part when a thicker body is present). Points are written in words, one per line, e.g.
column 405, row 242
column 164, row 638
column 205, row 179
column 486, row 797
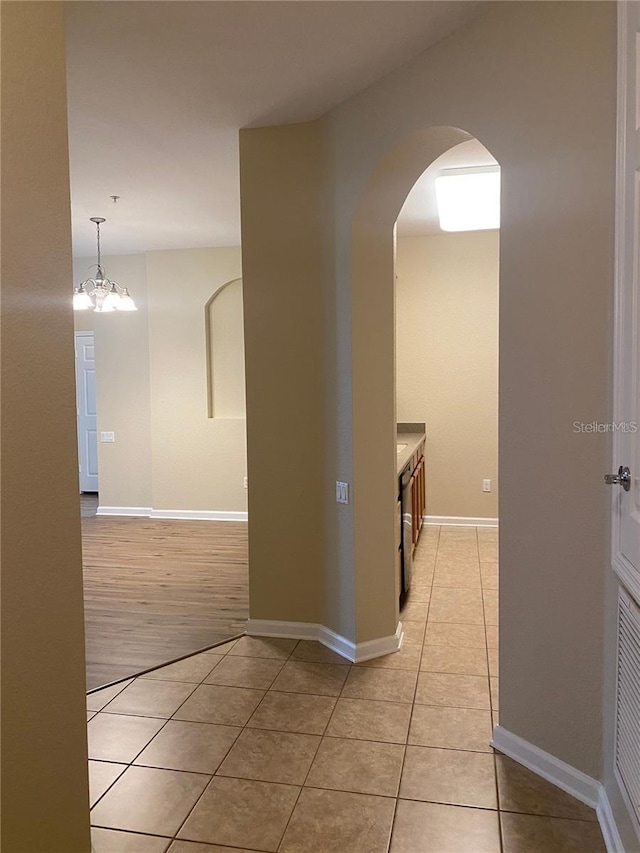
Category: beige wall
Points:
column 535, row 83
column 45, row 804
column 151, row 379
column 447, row 364
column 83, row 321
column 198, row 463
column 283, row 275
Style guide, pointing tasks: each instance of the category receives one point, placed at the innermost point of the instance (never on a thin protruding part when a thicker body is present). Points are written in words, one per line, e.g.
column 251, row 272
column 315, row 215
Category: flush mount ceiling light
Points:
column 100, row 293
column 469, row 199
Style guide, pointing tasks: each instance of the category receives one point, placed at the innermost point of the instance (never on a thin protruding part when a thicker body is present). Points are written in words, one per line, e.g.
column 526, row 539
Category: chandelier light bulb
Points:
column 81, row 299
column 126, row 302
column 112, row 299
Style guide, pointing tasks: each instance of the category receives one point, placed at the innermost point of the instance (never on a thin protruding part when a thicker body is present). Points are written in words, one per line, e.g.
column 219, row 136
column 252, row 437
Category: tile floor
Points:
column 279, row 745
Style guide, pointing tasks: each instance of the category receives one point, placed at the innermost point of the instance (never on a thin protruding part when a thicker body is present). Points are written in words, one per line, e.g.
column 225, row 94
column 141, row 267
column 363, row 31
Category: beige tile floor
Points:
column 279, row 745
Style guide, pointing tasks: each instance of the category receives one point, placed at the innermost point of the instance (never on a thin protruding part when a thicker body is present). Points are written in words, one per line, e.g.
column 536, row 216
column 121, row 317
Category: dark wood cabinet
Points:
column 418, row 499
column 412, row 503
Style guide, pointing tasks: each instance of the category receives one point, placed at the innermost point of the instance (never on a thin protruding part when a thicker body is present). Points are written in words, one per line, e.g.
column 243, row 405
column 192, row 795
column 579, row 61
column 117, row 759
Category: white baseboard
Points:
column 576, row 783
column 140, row 511
column 381, row 646
column 199, row 514
column 185, row 514
column 460, row 521
column 554, row 770
column 353, row 652
column 608, row 826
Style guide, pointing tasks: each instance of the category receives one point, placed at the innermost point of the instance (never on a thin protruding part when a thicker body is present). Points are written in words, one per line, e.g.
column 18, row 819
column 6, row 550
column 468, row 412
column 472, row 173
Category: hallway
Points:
column 280, row 745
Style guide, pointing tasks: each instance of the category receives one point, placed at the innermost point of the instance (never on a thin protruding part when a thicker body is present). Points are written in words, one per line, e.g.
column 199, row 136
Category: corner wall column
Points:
column 281, row 187
column 45, row 803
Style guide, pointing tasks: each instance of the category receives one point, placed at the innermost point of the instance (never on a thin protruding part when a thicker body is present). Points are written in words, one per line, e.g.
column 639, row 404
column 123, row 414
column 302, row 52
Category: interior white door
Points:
column 626, row 415
column 86, row 407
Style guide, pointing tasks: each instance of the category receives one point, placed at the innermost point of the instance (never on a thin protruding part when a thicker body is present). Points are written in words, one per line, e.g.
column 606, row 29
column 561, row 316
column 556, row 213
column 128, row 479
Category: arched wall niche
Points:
column 224, row 331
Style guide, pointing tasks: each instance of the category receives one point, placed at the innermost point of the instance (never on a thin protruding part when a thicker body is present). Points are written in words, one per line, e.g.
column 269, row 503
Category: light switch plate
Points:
column 342, row 492
column 107, row 437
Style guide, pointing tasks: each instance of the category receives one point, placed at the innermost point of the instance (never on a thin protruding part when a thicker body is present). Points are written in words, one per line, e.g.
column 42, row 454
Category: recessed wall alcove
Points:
column 224, row 329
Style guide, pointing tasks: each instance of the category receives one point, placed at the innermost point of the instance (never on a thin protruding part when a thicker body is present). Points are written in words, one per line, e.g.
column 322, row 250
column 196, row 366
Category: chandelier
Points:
column 100, row 293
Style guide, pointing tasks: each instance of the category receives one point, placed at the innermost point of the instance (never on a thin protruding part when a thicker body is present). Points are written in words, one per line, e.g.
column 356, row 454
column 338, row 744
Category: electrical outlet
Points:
column 245, row 482
column 486, row 485
column 107, row 437
column 342, row 492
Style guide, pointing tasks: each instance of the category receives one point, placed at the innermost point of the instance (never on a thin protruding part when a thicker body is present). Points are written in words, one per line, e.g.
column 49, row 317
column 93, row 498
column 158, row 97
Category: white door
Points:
column 626, row 415
column 86, row 405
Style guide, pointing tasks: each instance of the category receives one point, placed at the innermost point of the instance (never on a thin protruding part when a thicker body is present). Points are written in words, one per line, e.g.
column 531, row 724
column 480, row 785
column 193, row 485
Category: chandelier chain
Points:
column 98, row 240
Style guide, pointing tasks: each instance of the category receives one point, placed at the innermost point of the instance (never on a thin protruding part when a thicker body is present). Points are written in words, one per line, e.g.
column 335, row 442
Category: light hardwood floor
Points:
column 156, row 590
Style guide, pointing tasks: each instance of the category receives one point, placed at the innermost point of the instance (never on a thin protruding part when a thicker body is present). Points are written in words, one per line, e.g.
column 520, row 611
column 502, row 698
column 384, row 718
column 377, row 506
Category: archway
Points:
column 372, row 319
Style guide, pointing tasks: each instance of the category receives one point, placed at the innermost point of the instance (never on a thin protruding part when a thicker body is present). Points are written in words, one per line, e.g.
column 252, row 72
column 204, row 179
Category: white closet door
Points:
column 626, row 415
column 86, row 403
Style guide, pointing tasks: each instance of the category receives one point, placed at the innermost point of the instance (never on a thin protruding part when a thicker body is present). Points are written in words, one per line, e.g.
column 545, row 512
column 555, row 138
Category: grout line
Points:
column 413, row 704
column 302, row 787
column 108, row 788
column 495, row 770
column 399, row 743
column 320, row 739
column 455, row 805
column 124, row 687
column 135, row 832
column 194, row 687
column 395, row 805
column 495, row 758
column 351, row 790
column 130, row 763
column 148, row 743
column 242, row 729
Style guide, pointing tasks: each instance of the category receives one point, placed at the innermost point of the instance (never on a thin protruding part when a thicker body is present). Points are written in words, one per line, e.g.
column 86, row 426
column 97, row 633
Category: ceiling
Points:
column 158, row 90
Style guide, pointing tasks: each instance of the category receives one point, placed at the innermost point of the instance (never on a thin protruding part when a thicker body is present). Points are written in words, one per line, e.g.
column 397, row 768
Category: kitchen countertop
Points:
column 411, row 435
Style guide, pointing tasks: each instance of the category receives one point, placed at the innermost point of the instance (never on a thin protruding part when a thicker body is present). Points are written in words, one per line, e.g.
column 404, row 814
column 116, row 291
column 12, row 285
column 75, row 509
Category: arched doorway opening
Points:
column 373, row 259
column 446, row 392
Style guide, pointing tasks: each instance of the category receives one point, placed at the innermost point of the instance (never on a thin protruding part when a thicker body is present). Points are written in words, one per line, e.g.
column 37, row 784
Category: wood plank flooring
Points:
column 158, row 589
